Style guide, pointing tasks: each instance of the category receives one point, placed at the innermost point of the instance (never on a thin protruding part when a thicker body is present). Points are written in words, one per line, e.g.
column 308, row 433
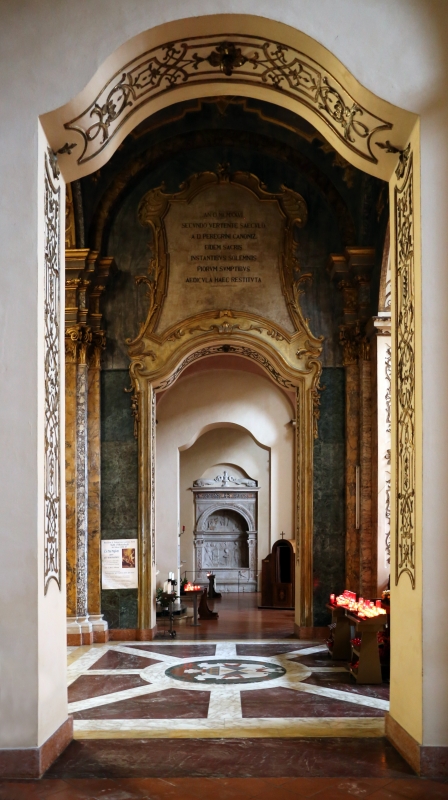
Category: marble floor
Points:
column 233, row 710
column 274, row 688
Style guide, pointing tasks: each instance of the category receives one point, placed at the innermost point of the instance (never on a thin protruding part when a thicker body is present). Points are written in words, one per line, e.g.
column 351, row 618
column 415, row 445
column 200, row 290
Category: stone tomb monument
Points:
column 225, row 534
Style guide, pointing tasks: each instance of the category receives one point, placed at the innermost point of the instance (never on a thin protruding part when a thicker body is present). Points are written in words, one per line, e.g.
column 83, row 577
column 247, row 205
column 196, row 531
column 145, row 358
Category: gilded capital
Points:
column 96, row 349
column 349, row 339
column 72, row 339
column 84, row 344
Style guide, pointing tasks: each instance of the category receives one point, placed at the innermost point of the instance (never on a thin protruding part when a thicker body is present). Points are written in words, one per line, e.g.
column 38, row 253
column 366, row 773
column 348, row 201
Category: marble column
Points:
column 82, row 489
column 351, row 462
column 367, row 587
column 74, row 634
column 99, row 625
column 380, row 332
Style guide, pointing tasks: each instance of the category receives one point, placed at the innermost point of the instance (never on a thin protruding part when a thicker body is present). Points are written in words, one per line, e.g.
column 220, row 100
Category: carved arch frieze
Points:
column 236, row 59
column 212, row 509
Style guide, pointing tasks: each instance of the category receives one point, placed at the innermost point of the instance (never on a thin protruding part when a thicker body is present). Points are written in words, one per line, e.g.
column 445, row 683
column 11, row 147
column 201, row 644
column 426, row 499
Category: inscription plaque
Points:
column 225, row 251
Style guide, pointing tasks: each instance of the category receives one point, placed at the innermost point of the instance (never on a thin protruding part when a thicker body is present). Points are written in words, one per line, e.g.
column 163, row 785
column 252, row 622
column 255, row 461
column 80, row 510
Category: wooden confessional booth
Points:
column 278, row 575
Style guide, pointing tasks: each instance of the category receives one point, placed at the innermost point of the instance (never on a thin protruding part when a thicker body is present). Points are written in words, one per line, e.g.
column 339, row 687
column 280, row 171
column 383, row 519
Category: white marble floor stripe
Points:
column 307, row 651
column 85, row 661
column 346, row 697
column 225, row 650
column 112, row 697
column 225, row 703
column 235, row 728
column 113, row 672
column 132, row 651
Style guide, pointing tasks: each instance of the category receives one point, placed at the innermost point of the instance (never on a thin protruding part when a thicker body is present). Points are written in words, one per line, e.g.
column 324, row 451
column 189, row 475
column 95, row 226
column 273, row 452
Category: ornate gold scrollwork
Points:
column 243, row 59
column 316, row 392
column 52, row 288
column 405, row 370
column 155, row 205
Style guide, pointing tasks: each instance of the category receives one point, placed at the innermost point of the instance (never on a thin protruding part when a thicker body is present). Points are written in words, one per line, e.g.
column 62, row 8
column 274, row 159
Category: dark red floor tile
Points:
column 417, row 788
column 116, row 660
column 281, row 702
column 97, row 685
column 268, row 649
column 225, row 758
column 345, row 683
column 20, row 790
column 318, row 787
column 178, row 650
column 47, row 788
column 166, row 704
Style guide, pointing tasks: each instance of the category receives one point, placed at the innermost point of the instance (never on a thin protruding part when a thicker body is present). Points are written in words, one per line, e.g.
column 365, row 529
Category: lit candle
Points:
column 332, row 599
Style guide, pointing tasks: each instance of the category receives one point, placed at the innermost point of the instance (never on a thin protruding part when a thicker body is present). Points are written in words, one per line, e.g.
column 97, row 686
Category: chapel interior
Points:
column 203, row 428
column 225, row 218
column 233, row 576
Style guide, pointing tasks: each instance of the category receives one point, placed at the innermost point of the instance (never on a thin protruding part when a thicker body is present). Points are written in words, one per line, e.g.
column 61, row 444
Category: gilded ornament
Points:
column 405, row 336
column 52, row 425
column 403, row 156
column 245, row 59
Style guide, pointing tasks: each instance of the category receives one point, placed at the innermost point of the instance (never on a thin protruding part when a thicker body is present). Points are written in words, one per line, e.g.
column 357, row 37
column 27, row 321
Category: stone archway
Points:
column 356, row 123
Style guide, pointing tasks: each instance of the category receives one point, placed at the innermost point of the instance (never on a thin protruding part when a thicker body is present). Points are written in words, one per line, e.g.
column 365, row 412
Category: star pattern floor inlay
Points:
column 129, row 690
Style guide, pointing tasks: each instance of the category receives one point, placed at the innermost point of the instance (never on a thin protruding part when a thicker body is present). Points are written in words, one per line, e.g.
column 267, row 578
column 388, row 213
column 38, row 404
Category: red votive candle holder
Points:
column 332, row 599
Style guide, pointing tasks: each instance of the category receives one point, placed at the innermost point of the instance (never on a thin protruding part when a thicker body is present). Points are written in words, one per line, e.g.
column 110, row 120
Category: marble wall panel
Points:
column 81, row 490
column 70, row 483
column 329, row 494
column 117, row 423
column 94, row 491
column 119, row 607
column 352, row 459
column 119, row 487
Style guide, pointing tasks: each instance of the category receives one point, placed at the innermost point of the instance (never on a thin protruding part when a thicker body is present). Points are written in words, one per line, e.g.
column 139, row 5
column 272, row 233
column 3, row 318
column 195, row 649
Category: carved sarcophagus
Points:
column 225, row 535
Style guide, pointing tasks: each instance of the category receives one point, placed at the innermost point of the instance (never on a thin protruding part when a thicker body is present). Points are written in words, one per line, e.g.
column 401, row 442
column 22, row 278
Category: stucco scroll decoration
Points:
column 405, row 336
column 152, row 210
column 232, row 349
column 243, row 59
column 52, row 466
column 388, row 398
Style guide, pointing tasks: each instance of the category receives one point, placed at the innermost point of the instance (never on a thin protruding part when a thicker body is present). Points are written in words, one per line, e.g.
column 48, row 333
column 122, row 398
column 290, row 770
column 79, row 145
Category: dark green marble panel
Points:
column 117, row 422
column 119, row 487
column 119, row 492
column 329, row 495
column 119, row 607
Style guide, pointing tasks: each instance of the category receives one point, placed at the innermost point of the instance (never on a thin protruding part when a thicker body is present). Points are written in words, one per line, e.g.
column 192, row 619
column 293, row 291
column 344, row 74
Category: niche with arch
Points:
column 225, row 532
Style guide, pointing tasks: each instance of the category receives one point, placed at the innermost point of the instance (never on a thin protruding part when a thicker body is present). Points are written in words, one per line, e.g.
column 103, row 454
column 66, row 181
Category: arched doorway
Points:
column 355, row 140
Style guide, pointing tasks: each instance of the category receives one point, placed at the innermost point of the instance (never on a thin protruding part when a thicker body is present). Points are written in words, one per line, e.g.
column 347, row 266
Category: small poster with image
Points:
column 119, row 564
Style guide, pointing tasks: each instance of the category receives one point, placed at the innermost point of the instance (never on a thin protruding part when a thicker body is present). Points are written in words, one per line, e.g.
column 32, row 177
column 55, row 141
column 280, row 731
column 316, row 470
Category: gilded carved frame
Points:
column 290, row 359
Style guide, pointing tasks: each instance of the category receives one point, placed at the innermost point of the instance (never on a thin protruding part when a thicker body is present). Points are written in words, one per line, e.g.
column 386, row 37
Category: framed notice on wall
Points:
column 119, row 564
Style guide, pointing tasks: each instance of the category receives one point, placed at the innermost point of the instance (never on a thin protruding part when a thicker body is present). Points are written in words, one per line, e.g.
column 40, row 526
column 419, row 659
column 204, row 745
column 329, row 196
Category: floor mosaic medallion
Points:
column 225, row 671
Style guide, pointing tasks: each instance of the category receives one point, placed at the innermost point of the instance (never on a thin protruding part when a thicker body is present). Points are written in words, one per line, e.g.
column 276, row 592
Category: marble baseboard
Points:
column 74, row 639
column 302, row 632
column 32, row 762
column 426, row 761
column 132, row 634
column 87, row 638
column 368, row 728
column 100, row 637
